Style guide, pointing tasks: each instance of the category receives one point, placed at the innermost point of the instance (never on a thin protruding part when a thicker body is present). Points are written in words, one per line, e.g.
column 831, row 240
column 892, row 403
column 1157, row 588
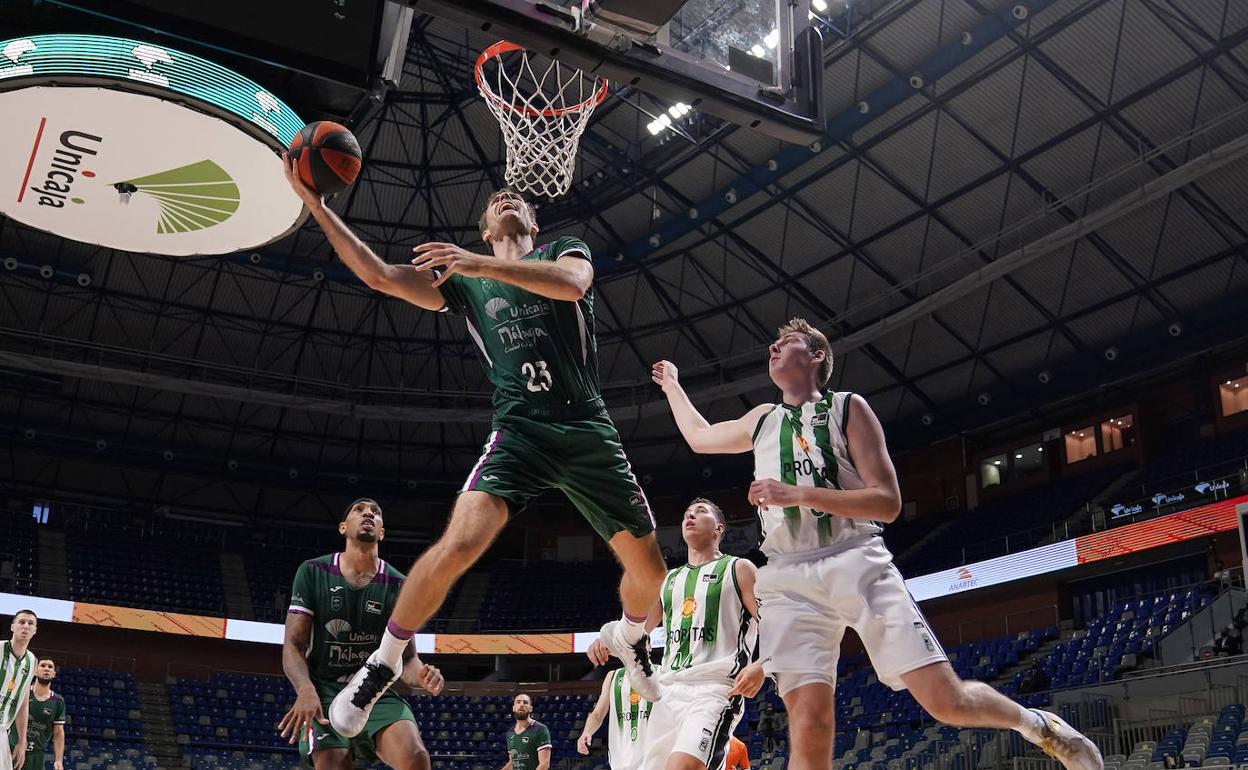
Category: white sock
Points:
column 1030, row 725
column 391, row 650
column 631, row 630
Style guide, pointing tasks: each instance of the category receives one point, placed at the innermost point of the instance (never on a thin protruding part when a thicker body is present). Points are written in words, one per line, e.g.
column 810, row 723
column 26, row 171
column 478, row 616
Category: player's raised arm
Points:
column 402, row 281
column 595, row 717
column 730, row 437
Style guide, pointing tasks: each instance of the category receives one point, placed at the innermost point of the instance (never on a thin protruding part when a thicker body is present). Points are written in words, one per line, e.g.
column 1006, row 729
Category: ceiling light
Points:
column 772, row 39
column 819, row 5
column 1040, row 449
column 758, row 51
column 656, row 126
column 1018, row 456
column 996, row 462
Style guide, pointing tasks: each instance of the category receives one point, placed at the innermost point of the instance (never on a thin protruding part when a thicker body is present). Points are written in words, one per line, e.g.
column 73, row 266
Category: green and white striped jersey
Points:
column 805, row 445
column 710, row 635
column 629, row 716
column 16, row 674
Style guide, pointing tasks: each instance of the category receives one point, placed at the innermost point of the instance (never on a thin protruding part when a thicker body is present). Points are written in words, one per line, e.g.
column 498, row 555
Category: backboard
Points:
column 757, row 63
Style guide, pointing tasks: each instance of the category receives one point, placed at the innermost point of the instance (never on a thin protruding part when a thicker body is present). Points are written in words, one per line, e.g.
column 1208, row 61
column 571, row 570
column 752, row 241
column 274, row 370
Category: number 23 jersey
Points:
column 539, row 353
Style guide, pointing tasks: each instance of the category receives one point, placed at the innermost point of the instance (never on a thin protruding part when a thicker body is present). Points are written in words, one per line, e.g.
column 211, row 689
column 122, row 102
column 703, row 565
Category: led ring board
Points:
column 143, row 148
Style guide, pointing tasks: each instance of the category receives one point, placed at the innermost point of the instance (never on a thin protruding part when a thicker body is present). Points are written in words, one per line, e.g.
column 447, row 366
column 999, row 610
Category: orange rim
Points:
column 502, row 47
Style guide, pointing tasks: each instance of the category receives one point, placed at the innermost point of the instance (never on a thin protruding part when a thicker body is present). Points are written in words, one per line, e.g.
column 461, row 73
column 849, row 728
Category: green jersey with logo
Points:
column 44, row 715
column 710, row 634
column 522, row 747
column 540, row 353
column 17, row 672
column 347, row 622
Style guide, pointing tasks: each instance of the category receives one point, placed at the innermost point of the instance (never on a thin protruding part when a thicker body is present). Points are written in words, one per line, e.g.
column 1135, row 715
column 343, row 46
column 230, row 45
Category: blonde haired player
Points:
column 708, row 611
column 824, row 485
column 627, row 715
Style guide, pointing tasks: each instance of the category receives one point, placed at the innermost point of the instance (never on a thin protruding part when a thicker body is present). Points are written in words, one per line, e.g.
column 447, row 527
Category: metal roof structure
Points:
column 1004, row 189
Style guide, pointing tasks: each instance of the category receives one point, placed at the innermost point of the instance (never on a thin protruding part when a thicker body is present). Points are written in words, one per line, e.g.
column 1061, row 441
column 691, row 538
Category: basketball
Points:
column 328, row 156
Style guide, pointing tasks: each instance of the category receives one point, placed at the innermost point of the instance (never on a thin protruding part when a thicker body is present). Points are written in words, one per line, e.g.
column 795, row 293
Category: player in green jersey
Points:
column 17, row 669
column 528, row 742
column 47, row 720
column 338, row 609
column 529, row 308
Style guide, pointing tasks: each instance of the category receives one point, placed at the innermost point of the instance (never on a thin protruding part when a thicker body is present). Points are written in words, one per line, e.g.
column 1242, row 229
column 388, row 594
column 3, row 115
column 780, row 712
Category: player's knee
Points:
column 417, row 760
column 812, row 726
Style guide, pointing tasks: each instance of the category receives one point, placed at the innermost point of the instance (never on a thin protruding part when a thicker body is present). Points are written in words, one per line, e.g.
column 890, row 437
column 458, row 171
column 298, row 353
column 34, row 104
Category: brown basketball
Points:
column 327, row 155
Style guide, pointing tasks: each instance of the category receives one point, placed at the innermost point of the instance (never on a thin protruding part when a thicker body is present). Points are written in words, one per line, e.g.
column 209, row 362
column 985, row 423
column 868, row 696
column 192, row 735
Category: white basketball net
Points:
column 542, row 113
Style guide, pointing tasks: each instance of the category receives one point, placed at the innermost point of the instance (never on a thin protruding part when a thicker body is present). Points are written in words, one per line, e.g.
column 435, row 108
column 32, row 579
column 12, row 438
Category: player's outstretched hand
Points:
column 665, row 375
column 749, row 681
column 311, row 198
column 598, row 653
column 430, row 678
column 766, row 492
column 582, row 743
column 302, row 715
column 451, row 258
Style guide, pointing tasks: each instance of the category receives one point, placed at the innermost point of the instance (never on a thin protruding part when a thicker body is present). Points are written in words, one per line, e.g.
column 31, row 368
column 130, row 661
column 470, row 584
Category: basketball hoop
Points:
column 542, row 115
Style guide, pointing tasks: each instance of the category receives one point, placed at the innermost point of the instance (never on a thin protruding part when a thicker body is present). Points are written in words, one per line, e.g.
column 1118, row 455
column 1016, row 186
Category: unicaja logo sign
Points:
column 191, row 197
column 65, row 166
column 138, row 147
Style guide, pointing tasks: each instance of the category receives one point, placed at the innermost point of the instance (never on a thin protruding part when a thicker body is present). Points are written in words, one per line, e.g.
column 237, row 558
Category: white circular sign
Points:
column 139, row 173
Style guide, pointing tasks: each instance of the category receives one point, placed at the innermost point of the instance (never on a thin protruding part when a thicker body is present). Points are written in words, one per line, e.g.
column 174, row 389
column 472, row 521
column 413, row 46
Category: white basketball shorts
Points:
column 806, row 605
column 692, row 718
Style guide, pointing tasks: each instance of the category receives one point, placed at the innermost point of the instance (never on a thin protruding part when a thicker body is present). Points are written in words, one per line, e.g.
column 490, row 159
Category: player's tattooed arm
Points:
column 728, row 437
column 307, row 707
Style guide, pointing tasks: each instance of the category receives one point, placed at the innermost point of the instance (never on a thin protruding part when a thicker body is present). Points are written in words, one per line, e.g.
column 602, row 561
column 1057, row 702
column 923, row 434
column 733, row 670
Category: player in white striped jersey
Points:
column 824, row 485
column 18, row 666
column 627, row 715
column 709, row 612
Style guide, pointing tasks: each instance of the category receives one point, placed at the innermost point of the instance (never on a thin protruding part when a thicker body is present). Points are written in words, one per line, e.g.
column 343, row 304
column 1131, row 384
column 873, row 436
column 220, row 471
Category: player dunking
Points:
column 338, row 609
column 707, row 608
column 823, row 484
column 17, row 668
column 46, row 720
column 628, row 717
column 530, row 310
